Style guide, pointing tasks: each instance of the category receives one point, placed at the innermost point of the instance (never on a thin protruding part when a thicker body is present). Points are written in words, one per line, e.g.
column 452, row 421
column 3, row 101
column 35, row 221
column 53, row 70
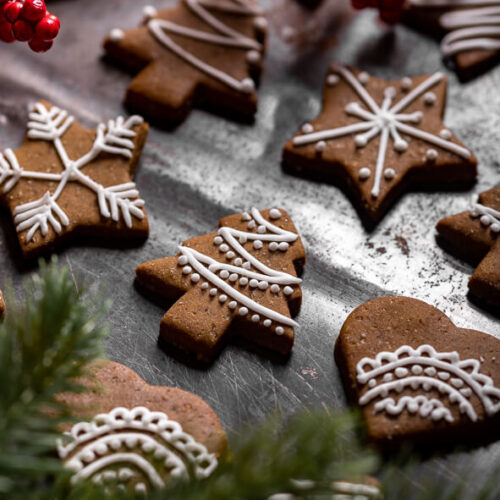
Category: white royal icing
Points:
column 149, row 441
column 386, row 121
column 426, row 369
column 472, row 24
column 114, row 138
column 240, row 272
column 489, row 217
column 228, row 37
column 340, row 490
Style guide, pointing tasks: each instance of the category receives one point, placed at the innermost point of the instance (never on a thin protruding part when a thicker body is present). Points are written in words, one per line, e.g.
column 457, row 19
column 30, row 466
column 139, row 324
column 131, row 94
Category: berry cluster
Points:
column 390, row 10
column 28, row 21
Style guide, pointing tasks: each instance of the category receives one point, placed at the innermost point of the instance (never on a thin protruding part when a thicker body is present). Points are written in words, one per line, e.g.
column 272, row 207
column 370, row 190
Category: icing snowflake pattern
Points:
column 50, row 125
column 153, row 445
column 489, row 217
column 427, row 369
column 387, row 121
column 224, row 277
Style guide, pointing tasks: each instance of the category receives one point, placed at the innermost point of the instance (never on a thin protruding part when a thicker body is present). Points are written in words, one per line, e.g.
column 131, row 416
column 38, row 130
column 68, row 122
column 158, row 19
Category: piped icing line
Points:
column 228, row 37
column 407, row 366
column 114, row 138
column 488, row 216
column 452, row 3
column 386, row 121
column 424, row 406
column 99, row 444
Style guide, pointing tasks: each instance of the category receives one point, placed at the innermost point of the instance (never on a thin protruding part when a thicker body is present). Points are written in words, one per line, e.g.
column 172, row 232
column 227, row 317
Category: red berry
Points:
column 23, row 31
column 12, row 11
column 47, row 28
column 34, row 10
column 38, row 45
column 6, row 34
column 55, row 18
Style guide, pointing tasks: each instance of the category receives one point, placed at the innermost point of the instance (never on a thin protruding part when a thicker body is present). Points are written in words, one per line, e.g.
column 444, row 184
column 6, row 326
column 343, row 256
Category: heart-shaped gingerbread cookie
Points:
column 138, row 435
column 417, row 376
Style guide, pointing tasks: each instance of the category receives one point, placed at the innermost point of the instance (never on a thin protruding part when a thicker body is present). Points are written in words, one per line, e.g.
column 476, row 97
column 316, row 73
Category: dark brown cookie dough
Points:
column 241, row 280
column 178, row 67
column 416, row 376
column 474, row 235
column 377, row 139
column 140, row 435
column 66, row 181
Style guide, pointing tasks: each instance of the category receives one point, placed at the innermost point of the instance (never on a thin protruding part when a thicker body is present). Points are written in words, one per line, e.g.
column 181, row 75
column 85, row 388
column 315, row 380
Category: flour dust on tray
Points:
column 240, row 280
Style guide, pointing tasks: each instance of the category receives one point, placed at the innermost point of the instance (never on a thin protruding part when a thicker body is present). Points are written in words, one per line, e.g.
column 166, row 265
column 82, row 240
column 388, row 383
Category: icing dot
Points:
column 243, row 311
column 260, row 23
column 131, row 442
column 243, row 239
column 125, row 474
column 141, row 488
column 267, row 323
column 244, row 281
column 218, row 240
column 457, row 382
column 204, row 286
column 495, row 227
column 320, row 146
column 230, row 255
column 253, row 56
column 273, row 246
column 149, row 11
column 364, row 77
column 183, row 260
column 429, row 98
column 257, row 244
column 245, row 216
column 389, row 173
column 116, row 35
column 436, row 414
column 360, row 141
column 274, row 214
column 247, row 265
column 412, row 406
column 364, row 173
column 148, row 447
column 222, row 298
column 388, row 377
column 279, row 330
column 372, row 383
column 401, row 372
column 101, row 449
column 255, row 318
column 400, row 145
column 238, row 261
column 417, row 369
column 213, row 292
column 261, row 229
column 186, row 269
column 283, row 246
column 288, row 290
column 390, row 92
column 247, row 85
column 232, row 304
column 195, row 277
column 431, row 154
column 224, row 248
column 485, row 220
column 332, row 80
column 445, row 134
column 233, row 277
column 406, row 83
column 254, row 283
column 224, row 274
column 251, row 224
column 263, row 285
column 275, row 288
column 307, row 128
column 115, row 444
column 213, row 267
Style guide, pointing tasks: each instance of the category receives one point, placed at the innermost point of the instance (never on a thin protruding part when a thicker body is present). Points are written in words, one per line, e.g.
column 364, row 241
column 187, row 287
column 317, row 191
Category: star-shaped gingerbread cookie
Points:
column 203, row 53
column 241, row 280
column 469, row 31
column 139, row 436
column 66, row 181
column 474, row 235
column 377, row 139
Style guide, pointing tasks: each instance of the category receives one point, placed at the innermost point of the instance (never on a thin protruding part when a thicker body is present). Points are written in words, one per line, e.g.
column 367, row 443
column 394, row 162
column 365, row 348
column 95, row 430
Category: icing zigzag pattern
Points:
column 146, row 446
column 425, row 368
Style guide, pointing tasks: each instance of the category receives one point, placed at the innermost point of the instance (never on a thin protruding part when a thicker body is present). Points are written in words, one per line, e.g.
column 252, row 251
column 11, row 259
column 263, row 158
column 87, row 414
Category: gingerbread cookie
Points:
column 377, row 139
column 139, row 436
column 474, row 235
column 66, row 181
column 203, row 53
column 470, row 31
column 417, row 376
column 240, row 280
column 2, row 305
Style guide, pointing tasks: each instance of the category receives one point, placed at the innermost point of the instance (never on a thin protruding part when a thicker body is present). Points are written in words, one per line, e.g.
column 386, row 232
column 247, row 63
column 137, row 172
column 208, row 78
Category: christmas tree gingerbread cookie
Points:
column 469, row 29
column 202, row 53
column 66, row 181
column 417, row 376
column 240, row 280
column 474, row 235
column 136, row 437
column 377, row 139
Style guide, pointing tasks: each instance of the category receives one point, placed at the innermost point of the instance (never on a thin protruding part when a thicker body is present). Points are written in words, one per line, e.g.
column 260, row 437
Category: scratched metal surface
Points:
column 211, row 167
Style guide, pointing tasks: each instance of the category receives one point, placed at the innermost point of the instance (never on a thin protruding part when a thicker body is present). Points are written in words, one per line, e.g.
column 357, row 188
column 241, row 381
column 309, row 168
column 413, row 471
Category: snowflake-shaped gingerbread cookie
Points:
column 66, row 181
column 377, row 139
